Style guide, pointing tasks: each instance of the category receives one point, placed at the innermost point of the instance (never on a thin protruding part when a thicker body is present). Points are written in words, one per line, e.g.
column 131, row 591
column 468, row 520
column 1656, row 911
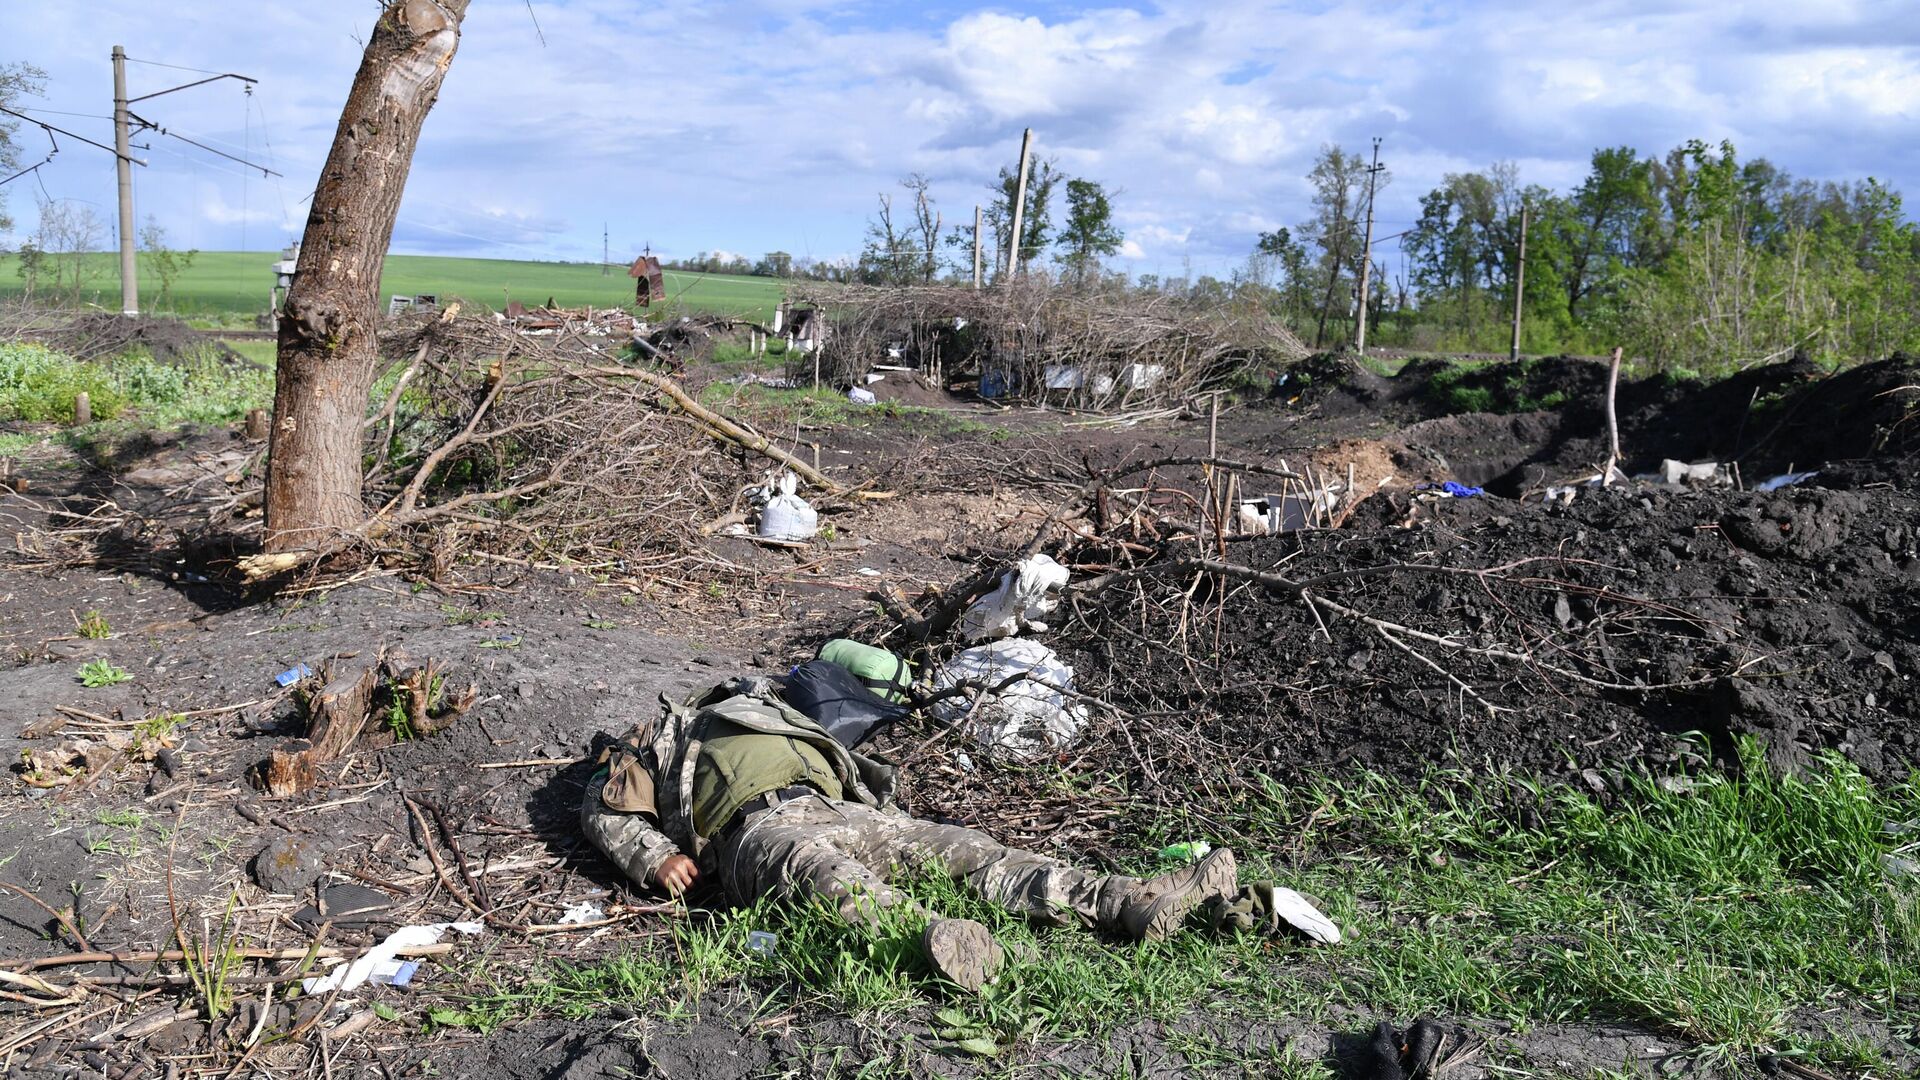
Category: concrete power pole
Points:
column 1366, row 254
column 1019, row 204
column 1519, row 284
column 123, row 166
column 976, row 247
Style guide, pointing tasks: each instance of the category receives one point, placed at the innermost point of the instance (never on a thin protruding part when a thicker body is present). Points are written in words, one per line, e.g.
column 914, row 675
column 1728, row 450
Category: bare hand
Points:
column 677, row 874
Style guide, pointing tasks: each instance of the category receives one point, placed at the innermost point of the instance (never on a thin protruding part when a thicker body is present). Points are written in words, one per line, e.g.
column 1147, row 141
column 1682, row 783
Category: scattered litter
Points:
column 761, row 942
column 1186, row 851
column 1022, row 601
column 1298, row 913
column 867, row 571
column 353, row 976
column 1681, row 474
column 1031, row 715
column 1786, row 480
column 860, row 395
column 1461, row 491
column 586, row 911
column 393, row 972
column 293, row 675
column 788, row 516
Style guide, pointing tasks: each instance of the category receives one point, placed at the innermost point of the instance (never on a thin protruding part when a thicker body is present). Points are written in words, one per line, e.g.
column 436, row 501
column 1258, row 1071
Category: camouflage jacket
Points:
column 644, row 809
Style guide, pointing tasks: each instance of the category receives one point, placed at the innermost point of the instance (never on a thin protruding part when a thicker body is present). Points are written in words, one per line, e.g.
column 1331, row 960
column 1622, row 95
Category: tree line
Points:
column 1691, row 259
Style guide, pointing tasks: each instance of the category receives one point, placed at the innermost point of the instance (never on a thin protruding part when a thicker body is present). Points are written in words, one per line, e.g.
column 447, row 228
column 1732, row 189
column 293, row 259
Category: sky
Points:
column 749, row 127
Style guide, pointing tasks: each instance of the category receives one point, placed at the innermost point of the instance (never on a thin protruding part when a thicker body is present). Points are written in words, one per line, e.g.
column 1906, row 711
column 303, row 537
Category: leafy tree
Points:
column 16, row 81
column 1339, row 186
column 1036, row 221
column 1090, row 234
column 898, row 250
column 163, row 263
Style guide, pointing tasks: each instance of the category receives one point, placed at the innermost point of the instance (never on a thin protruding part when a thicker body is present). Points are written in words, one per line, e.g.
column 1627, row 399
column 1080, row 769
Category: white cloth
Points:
column 381, row 956
column 1022, row 601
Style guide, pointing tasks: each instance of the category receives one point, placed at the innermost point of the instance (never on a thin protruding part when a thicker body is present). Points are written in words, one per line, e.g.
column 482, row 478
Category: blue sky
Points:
column 749, row 127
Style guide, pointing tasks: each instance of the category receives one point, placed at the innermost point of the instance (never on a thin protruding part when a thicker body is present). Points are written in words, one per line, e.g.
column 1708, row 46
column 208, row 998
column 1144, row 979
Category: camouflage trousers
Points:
column 844, row 852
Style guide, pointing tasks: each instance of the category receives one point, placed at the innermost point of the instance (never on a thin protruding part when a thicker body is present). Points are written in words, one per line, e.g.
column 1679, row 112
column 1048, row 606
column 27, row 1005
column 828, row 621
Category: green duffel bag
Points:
column 877, row 669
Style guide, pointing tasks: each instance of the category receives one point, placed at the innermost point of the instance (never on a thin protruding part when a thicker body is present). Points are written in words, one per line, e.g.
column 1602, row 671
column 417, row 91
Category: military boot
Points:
column 962, row 952
column 1152, row 909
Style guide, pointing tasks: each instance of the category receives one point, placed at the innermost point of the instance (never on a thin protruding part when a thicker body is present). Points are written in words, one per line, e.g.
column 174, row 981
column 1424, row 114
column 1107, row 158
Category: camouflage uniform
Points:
column 807, row 845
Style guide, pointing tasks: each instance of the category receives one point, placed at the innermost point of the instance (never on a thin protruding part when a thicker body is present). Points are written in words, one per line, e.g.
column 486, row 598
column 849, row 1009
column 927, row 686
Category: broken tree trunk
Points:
column 328, row 344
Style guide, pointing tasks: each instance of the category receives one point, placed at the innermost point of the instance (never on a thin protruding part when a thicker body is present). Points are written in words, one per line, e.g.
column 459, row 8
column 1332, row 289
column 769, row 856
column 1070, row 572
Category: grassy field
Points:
column 229, row 283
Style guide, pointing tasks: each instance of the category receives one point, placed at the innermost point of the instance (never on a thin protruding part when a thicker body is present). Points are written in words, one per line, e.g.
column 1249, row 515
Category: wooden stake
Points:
column 256, row 426
column 1613, row 421
column 82, row 409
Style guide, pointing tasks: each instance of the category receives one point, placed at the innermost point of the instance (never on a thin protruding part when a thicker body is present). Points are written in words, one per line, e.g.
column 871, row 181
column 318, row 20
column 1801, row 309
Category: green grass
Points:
column 1732, row 914
column 230, row 283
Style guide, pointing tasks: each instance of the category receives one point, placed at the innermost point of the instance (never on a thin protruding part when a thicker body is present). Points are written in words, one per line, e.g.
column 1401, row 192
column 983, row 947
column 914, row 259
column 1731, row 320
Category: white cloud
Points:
column 770, row 124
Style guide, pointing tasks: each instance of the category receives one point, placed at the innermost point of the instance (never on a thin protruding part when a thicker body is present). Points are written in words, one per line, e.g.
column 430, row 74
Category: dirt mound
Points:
column 1555, row 640
column 1513, row 427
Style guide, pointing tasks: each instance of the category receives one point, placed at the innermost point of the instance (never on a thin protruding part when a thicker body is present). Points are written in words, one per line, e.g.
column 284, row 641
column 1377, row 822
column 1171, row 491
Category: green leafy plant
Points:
column 97, row 673
column 93, row 626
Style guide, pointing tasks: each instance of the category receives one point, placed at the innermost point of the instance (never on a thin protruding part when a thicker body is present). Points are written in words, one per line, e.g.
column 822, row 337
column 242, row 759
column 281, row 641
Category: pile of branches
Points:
column 1035, row 342
column 97, row 334
column 557, row 449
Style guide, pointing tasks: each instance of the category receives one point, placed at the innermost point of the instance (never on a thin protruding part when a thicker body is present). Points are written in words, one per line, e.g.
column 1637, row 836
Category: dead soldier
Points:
column 738, row 786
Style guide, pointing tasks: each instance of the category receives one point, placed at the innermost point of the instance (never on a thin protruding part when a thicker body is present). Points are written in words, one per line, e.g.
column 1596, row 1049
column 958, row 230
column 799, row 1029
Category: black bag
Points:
column 836, row 700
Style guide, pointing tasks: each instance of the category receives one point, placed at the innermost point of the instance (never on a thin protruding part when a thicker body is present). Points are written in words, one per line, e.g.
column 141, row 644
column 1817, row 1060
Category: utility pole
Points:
column 129, row 268
column 1366, row 252
column 1519, row 284
column 1019, row 205
column 976, row 247
column 605, row 252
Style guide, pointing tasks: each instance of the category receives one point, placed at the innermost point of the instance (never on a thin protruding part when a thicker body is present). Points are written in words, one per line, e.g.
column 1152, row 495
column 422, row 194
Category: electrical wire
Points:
column 176, row 67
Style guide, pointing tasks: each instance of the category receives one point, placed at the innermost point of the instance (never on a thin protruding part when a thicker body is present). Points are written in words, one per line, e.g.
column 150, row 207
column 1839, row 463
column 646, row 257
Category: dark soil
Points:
column 1815, row 589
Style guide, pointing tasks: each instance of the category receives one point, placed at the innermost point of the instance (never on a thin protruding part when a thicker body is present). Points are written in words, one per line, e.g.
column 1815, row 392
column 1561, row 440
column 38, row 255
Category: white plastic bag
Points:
column 860, row 395
column 1022, row 601
column 788, row 516
column 1028, row 717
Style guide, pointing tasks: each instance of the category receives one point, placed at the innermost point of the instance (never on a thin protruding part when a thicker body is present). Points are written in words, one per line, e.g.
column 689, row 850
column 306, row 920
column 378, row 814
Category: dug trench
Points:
column 1615, row 785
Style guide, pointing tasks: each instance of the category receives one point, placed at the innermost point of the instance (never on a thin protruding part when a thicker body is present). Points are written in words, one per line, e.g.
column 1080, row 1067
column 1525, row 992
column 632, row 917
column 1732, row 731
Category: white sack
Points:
column 1028, row 717
column 788, row 516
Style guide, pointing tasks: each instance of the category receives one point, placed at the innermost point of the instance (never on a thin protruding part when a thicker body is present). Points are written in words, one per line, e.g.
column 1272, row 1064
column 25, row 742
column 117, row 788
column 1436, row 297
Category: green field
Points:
column 237, row 283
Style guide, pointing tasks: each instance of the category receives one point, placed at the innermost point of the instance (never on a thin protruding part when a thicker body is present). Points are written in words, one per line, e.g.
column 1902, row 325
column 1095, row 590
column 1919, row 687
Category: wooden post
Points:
column 976, row 247
column 1366, row 254
column 256, row 426
column 1520, row 292
column 82, row 409
column 1019, row 204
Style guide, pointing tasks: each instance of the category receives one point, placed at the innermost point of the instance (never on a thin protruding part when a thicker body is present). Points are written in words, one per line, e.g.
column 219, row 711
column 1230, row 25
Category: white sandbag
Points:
column 1022, row 601
column 1027, row 718
column 860, row 395
column 788, row 516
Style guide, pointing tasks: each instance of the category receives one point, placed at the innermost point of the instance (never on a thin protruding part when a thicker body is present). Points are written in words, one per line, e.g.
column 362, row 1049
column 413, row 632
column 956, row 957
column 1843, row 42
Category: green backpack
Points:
column 877, row 669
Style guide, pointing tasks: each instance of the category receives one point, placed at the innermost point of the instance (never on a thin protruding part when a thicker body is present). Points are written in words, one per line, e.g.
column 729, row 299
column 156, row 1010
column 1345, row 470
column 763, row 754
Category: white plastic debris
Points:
column 382, row 958
column 1141, row 376
column 1786, row 480
column 860, row 395
column 1304, row 917
column 1022, row 601
column 1063, row 377
column 1031, row 715
column 788, row 516
column 1710, row 473
column 586, row 911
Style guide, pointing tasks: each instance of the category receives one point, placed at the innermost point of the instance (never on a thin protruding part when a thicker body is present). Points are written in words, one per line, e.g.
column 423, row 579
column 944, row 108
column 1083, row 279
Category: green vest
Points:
column 737, row 764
